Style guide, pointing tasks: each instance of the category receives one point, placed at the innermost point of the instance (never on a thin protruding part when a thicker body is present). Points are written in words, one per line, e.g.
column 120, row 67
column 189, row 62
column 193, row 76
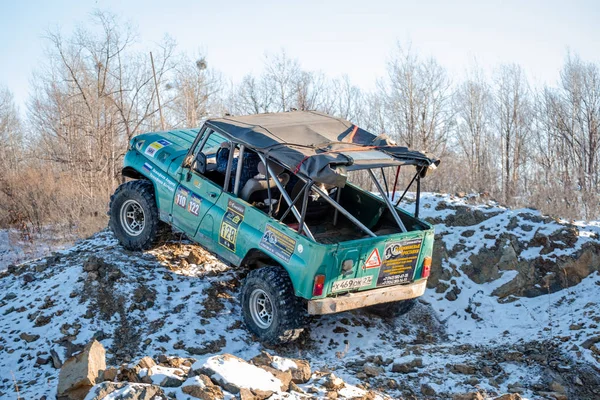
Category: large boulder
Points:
column 233, row 373
column 82, row 371
column 125, row 391
column 202, row 387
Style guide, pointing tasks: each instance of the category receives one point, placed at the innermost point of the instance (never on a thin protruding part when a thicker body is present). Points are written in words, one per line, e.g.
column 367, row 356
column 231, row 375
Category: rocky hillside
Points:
column 512, row 308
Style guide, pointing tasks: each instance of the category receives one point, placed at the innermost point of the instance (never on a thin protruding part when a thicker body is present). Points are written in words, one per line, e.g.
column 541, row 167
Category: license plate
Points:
column 354, row 283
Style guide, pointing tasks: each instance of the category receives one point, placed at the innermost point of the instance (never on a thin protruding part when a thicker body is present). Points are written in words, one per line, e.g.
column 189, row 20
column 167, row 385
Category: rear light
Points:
column 426, row 267
column 319, row 285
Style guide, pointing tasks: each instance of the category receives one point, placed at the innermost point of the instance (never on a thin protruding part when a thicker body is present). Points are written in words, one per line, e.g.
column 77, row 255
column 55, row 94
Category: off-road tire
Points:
column 394, row 309
column 142, row 192
column 288, row 314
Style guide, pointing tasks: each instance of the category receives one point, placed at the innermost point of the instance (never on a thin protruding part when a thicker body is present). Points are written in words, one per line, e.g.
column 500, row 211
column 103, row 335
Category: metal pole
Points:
column 418, row 196
column 294, row 202
column 396, row 182
column 287, row 199
column 238, row 172
column 406, row 190
column 304, row 204
column 228, row 172
column 388, row 202
column 162, row 120
column 338, row 195
column 268, row 176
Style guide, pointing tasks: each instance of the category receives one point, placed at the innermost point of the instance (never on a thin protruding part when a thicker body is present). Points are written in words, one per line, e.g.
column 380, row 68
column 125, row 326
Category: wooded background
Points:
column 496, row 134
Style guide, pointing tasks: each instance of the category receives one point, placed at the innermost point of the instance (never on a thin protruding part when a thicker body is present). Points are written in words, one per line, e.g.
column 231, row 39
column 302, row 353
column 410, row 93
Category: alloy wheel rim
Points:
column 261, row 308
column 133, row 218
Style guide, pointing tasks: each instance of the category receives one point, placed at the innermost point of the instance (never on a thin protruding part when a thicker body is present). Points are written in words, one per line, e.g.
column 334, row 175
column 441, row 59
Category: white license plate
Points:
column 354, row 283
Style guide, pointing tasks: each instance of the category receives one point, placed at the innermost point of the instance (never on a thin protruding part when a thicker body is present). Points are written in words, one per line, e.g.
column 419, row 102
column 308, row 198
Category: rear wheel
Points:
column 134, row 215
column 269, row 307
column 394, row 309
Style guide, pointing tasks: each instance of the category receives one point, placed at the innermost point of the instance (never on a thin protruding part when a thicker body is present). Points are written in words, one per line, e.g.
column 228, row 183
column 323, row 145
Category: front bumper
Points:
column 351, row 301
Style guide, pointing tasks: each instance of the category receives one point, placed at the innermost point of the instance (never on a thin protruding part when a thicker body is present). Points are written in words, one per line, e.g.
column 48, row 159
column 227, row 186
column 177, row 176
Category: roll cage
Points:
column 310, row 185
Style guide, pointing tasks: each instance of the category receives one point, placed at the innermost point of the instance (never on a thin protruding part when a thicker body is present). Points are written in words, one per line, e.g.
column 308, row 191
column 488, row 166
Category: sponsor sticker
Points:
column 156, row 146
column 160, row 178
column 374, row 261
column 352, row 283
column 194, row 204
column 277, row 243
column 230, row 225
column 140, row 144
column 399, row 262
column 181, row 196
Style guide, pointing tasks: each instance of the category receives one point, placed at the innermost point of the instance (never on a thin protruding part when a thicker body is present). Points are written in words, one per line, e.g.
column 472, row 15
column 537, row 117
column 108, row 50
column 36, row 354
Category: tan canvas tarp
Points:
column 317, row 145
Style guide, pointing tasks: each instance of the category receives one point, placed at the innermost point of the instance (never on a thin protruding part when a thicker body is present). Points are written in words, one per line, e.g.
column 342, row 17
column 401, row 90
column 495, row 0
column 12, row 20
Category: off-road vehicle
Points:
column 270, row 193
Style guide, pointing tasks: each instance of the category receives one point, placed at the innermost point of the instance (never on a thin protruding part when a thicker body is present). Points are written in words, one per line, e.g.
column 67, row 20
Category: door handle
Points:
column 212, row 194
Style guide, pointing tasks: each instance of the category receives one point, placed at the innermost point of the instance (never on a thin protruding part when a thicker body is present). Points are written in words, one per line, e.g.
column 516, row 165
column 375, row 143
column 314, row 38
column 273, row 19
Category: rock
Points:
column 92, row 264
column 332, row 382
column 590, row 342
column 553, row 395
column 202, row 387
column 468, row 396
column 146, row 362
column 126, row 391
column 262, row 394
column 557, row 387
column 129, row 374
column 171, row 382
column 28, row 278
column 464, row 369
column 29, row 338
column 233, row 373
column 80, row 372
column 509, row 396
column 371, row 370
column 56, row 362
column 295, row 388
column 302, row 373
column 195, row 258
column 405, row 368
column 427, row 390
column 246, row 394
column 110, row 374
column 43, row 360
column 284, row 376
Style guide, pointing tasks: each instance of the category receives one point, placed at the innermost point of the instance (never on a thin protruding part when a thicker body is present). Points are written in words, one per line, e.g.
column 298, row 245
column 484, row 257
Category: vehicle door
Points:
column 199, row 187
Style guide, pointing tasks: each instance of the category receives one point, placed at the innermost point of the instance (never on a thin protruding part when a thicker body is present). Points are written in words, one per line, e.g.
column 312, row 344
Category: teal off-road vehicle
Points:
column 269, row 193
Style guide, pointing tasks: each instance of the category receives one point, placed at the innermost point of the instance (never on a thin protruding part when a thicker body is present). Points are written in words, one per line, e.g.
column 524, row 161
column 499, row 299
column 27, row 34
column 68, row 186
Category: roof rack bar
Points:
column 229, row 161
column 388, row 202
column 341, row 209
column 294, row 202
column 304, row 204
column 238, row 172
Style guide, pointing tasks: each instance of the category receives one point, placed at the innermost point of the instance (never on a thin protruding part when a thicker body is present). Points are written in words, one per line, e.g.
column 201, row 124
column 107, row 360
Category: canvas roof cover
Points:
column 316, row 145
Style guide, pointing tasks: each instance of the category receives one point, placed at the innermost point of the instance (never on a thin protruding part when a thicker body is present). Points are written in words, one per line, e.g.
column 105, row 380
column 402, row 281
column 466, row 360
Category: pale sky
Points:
column 336, row 37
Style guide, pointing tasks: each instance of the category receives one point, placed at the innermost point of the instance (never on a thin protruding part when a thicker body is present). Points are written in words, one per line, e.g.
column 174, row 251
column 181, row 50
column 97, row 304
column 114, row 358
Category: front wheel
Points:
column 269, row 307
column 134, row 215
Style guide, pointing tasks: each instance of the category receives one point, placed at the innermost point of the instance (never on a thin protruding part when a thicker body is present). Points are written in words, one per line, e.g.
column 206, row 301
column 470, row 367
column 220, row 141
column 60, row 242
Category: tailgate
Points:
column 381, row 261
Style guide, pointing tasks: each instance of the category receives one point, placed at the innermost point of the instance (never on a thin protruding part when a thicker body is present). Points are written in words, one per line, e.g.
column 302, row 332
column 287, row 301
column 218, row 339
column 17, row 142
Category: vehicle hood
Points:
column 162, row 148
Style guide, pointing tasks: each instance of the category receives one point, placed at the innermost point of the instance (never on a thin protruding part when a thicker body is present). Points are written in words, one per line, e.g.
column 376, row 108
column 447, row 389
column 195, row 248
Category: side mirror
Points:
column 199, row 163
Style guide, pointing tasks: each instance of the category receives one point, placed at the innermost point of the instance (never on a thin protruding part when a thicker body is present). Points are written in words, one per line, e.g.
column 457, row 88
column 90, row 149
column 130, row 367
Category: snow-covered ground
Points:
column 15, row 247
column 460, row 337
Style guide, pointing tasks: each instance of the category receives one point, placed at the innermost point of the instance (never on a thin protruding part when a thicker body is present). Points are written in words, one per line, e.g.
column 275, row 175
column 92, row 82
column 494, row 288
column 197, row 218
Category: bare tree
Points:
column 197, row 92
column 11, row 135
column 472, row 103
column 513, row 116
column 417, row 96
